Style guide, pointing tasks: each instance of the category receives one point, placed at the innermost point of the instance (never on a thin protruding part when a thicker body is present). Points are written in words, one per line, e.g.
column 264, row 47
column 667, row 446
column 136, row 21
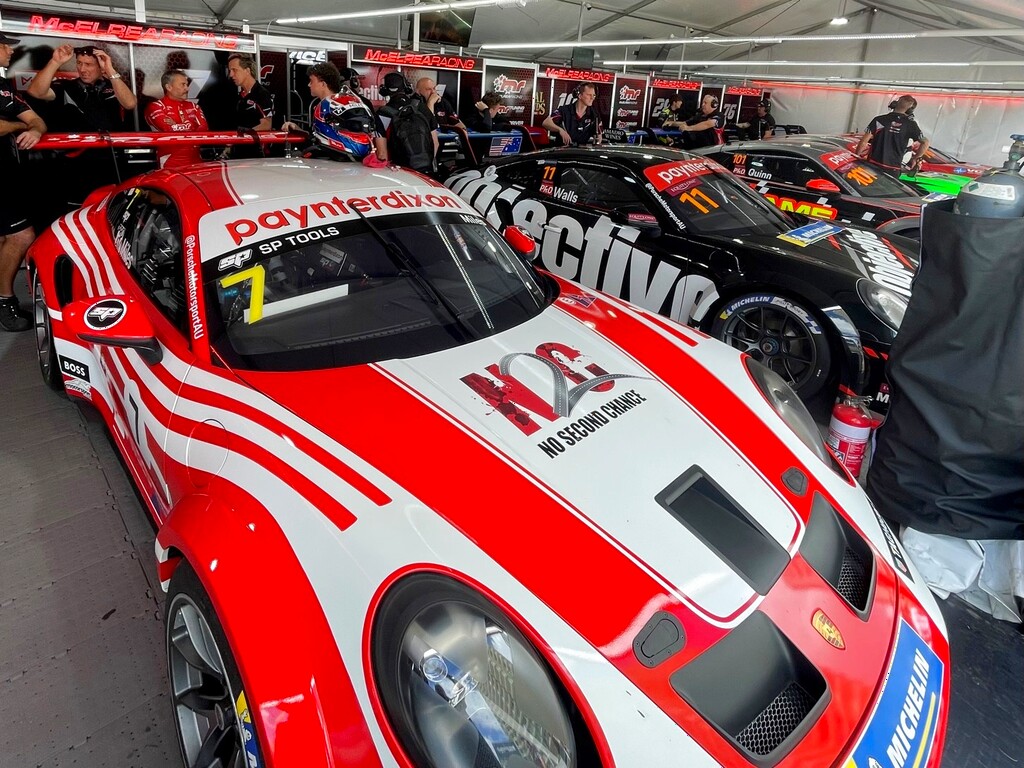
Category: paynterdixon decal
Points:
column 572, row 378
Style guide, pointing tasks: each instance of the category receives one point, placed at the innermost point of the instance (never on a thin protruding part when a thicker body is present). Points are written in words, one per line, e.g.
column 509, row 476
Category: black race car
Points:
column 677, row 234
column 814, row 177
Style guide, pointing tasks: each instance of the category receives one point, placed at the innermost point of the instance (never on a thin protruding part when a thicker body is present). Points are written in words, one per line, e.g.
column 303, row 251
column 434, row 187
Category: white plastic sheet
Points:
column 987, row 574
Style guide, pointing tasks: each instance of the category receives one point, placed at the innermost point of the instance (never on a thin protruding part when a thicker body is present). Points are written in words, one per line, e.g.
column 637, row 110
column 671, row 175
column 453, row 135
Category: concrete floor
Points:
column 82, row 668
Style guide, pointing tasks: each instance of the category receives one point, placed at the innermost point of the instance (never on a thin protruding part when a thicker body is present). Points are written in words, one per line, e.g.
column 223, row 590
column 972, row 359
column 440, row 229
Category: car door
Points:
column 146, row 233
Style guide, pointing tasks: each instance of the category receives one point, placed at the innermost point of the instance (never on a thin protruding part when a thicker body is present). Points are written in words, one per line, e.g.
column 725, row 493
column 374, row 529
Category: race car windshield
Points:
column 935, row 155
column 715, row 204
column 867, row 180
column 417, row 285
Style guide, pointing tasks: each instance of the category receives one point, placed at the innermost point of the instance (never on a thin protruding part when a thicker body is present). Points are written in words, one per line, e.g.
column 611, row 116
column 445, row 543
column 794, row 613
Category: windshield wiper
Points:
column 407, row 268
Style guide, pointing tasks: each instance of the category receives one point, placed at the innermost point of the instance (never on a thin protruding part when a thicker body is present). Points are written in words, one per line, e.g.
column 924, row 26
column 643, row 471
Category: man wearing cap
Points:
column 890, row 134
column 174, row 113
column 17, row 120
column 97, row 100
column 763, row 126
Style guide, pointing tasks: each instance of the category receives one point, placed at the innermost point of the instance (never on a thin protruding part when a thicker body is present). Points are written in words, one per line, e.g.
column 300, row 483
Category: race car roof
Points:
column 810, row 145
column 636, row 157
column 249, row 182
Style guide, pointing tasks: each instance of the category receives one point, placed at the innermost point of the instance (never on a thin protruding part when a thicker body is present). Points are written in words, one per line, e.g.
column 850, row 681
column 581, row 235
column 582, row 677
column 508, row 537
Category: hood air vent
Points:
column 756, row 689
column 731, row 532
column 840, row 555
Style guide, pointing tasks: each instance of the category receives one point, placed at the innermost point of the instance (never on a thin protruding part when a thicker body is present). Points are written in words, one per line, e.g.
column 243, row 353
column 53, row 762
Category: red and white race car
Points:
column 420, row 504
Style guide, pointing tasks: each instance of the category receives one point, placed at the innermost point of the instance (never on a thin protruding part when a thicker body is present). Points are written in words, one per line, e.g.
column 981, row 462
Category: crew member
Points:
column 890, row 134
column 672, row 113
column 762, row 126
column 325, row 81
column 488, row 109
column 255, row 107
column 577, row 123
column 15, row 230
column 97, row 100
column 701, row 130
column 441, row 108
column 401, row 95
column 174, row 113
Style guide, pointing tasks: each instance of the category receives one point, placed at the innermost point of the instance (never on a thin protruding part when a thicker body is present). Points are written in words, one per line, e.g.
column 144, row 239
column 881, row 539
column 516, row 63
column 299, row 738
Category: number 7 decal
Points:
column 258, row 275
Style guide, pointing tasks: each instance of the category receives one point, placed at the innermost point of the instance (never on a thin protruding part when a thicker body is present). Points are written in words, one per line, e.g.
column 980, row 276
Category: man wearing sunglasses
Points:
column 97, row 100
column 174, row 113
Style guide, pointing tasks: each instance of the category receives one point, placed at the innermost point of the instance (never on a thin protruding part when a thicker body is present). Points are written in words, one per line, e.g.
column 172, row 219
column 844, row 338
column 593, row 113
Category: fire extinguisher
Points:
column 849, row 432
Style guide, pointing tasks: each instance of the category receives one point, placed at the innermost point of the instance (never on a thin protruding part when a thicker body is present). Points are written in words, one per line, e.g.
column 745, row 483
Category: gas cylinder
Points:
column 849, row 432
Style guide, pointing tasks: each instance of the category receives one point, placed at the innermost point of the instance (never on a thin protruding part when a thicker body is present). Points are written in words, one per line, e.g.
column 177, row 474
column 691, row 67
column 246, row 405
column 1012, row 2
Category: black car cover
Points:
column 950, row 457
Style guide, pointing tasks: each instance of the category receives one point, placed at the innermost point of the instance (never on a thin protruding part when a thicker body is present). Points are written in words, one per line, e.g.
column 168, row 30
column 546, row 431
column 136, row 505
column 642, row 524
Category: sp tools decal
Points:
column 901, row 731
column 105, row 314
column 234, row 260
column 825, row 627
column 73, row 368
column 519, row 403
column 810, row 233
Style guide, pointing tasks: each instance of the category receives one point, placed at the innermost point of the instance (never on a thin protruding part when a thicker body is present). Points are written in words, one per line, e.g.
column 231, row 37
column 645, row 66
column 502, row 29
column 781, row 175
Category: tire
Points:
column 210, row 709
column 780, row 333
column 45, row 351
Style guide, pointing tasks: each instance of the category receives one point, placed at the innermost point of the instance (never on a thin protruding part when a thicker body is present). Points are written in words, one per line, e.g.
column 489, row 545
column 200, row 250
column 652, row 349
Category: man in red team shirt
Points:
column 174, row 113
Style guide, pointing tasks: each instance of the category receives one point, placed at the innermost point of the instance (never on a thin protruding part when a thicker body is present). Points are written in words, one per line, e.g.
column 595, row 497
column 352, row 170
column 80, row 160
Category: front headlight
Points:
column 884, row 303
column 783, row 400
column 461, row 685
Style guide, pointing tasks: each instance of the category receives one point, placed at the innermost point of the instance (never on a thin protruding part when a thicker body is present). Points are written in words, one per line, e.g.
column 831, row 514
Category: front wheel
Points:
column 781, row 334
column 211, row 714
column 45, row 351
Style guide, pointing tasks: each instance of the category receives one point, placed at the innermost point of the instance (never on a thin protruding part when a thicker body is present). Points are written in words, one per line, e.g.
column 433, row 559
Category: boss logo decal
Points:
column 73, row 367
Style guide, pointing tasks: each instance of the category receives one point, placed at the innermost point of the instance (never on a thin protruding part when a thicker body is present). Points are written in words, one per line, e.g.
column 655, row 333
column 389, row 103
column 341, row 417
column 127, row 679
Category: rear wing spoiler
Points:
column 75, row 142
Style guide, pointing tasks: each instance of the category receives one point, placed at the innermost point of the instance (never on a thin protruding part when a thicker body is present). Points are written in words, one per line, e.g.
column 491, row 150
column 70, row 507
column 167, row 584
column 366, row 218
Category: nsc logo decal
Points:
column 572, row 378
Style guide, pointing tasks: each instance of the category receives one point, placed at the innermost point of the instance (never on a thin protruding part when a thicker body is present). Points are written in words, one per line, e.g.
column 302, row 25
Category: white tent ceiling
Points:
column 600, row 20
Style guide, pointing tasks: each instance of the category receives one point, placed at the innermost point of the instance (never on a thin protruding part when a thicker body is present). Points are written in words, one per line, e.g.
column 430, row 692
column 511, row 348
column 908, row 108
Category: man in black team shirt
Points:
column 255, row 108
column 701, row 130
column 97, row 100
column 890, row 134
column 17, row 120
column 577, row 123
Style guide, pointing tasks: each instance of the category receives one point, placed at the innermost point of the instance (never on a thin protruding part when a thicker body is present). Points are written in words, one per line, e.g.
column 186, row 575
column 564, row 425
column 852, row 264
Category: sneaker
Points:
column 12, row 316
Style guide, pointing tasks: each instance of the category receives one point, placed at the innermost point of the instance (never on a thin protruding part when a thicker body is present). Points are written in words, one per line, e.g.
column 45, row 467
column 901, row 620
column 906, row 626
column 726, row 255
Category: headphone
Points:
column 714, row 100
column 394, row 83
column 352, row 77
column 765, row 105
column 579, row 89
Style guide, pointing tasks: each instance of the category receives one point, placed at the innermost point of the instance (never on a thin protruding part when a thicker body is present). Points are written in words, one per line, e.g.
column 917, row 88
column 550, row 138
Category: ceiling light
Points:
column 400, row 11
column 811, row 64
column 838, row 21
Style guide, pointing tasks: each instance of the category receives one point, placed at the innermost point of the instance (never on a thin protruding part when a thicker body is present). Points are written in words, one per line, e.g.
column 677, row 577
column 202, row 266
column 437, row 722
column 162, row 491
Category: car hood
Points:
column 560, row 448
column 861, row 252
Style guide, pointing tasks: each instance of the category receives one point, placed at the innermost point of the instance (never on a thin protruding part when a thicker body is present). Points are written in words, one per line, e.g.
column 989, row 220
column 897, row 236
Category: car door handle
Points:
column 551, row 228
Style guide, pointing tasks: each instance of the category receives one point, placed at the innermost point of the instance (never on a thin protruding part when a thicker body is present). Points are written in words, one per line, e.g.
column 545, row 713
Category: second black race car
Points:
column 818, row 302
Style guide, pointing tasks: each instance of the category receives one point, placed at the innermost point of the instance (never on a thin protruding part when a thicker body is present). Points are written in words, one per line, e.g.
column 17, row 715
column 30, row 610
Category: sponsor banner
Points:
column 231, row 232
column 628, row 99
column 515, row 82
column 810, row 233
column 376, row 55
column 672, row 174
column 739, row 90
column 579, row 75
column 676, row 85
column 96, row 31
column 901, row 731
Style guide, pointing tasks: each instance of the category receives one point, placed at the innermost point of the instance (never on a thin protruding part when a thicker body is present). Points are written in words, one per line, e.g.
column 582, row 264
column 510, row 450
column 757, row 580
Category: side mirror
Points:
column 824, row 186
column 117, row 321
column 520, row 241
column 645, row 222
